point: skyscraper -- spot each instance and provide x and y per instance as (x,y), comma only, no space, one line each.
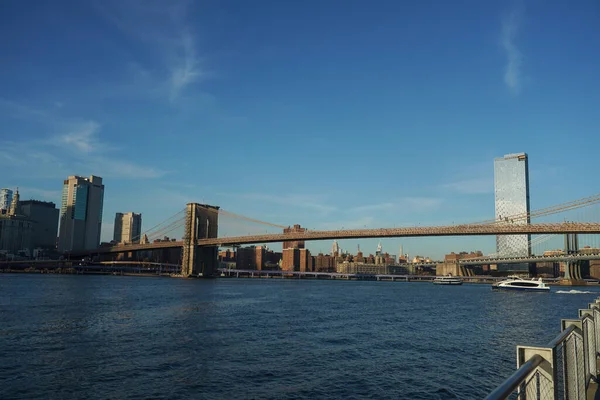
(335,248)
(128,227)
(6,196)
(511,188)
(81,213)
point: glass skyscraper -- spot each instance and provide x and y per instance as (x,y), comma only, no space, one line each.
(81,213)
(511,188)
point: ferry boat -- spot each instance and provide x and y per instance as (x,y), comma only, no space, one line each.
(518,283)
(447,280)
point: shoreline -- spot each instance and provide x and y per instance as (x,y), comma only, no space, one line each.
(402,279)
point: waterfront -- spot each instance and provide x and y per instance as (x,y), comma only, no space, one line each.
(67,336)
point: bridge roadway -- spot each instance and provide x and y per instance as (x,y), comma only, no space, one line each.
(531,259)
(451,230)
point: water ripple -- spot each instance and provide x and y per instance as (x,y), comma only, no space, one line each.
(98,337)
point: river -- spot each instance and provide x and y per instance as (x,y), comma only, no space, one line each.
(100,337)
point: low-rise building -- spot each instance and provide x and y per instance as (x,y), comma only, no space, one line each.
(253,257)
(370,269)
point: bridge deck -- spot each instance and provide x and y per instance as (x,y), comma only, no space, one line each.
(453,230)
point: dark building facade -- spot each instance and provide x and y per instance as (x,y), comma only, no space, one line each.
(324,263)
(44,222)
(257,258)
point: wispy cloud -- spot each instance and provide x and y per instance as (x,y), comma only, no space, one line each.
(471,186)
(373,207)
(33,192)
(83,137)
(70,147)
(13,109)
(163,28)
(358,223)
(405,204)
(514,58)
(186,71)
(291,200)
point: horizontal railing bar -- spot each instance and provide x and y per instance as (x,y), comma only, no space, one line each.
(513,382)
(561,337)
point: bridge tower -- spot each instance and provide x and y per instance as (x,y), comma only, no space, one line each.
(571,243)
(201,222)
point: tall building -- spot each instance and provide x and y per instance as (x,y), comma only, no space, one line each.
(128,227)
(81,213)
(44,219)
(335,248)
(511,188)
(15,230)
(6,196)
(295,259)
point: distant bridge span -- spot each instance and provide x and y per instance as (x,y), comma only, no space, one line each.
(452,230)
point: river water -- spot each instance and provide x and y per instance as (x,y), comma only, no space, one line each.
(100,337)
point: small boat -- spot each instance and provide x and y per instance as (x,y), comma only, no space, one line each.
(447,280)
(518,283)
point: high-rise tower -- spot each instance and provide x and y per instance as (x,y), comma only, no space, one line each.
(128,227)
(14,204)
(81,213)
(511,188)
(6,196)
(335,248)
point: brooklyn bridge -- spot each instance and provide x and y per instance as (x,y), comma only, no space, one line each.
(201,240)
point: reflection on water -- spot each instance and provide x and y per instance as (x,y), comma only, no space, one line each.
(118,337)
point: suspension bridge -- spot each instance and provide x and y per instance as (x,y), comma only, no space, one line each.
(205,228)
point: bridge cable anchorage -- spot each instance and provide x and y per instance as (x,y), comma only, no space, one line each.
(556,209)
(230,214)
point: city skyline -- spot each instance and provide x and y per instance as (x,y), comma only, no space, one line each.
(503,170)
(390,117)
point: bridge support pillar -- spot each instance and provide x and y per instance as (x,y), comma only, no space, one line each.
(575,271)
(571,243)
(201,223)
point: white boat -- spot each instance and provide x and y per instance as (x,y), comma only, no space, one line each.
(447,280)
(518,283)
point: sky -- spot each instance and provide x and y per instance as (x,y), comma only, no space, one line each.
(327,114)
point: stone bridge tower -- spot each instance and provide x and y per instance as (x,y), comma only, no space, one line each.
(202,222)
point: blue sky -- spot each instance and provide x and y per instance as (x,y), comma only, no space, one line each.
(325,113)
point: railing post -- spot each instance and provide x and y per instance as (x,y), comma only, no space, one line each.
(596,313)
(539,384)
(573,358)
(589,341)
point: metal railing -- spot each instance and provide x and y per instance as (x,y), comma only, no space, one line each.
(563,369)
